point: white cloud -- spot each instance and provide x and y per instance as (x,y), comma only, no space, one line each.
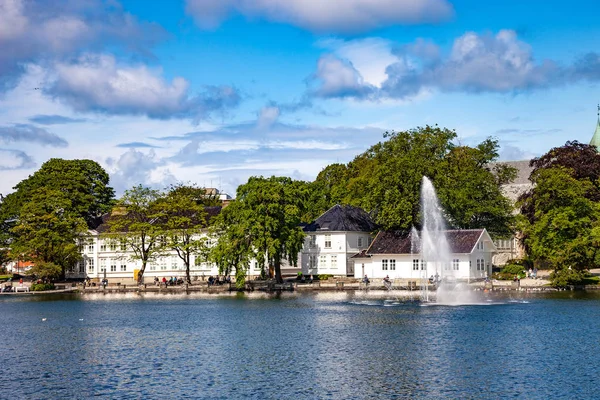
(13,160)
(339,78)
(331,16)
(98,83)
(39,31)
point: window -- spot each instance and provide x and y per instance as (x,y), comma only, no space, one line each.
(198,261)
(209,242)
(446,266)
(123,244)
(392,265)
(90,264)
(103,246)
(113,245)
(455,264)
(333,261)
(480,264)
(322,261)
(415,264)
(123,267)
(163,264)
(384,265)
(103,265)
(422,265)
(312,262)
(173,262)
(113,267)
(81,267)
(90,246)
(360,242)
(328,241)
(479,245)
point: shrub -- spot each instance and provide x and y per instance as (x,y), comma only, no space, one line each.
(509,271)
(324,277)
(39,287)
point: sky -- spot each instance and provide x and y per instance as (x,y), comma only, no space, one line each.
(211,92)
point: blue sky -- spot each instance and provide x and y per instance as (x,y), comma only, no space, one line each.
(215,91)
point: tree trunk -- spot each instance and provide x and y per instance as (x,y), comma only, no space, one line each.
(278,276)
(188,278)
(140,279)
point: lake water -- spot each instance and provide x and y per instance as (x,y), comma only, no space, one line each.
(301,346)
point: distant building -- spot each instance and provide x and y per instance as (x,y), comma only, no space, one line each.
(393,254)
(333,238)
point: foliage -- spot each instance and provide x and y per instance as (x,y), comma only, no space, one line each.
(182,224)
(135,222)
(561,221)
(386,181)
(263,223)
(38,287)
(324,277)
(509,271)
(46,271)
(48,230)
(83,182)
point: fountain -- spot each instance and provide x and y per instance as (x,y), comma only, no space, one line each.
(435,254)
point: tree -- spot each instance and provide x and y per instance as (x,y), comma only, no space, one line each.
(135,222)
(386,181)
(233,250)
(84,182)
(562,225)
(264,221)
(48,231)
(183,223)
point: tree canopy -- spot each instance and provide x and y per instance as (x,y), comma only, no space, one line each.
(386,181)
(560,215)
(263,223)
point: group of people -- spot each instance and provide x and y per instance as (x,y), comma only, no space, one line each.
(8,286)
(216,281)
(172,281)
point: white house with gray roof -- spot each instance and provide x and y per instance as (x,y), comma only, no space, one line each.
(333,238)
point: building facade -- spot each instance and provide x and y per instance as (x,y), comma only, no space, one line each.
(395,254)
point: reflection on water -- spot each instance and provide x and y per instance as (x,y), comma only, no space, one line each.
(302,346)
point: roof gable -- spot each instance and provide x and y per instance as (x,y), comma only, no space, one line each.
(460,241)
(342,218)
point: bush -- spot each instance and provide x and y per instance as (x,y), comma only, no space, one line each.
(324,277)
(39,287)
(509,271)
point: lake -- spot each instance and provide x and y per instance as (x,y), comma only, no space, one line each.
(337,345)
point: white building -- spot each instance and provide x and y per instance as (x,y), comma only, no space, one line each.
(393,254)
(332,240)
(108,257)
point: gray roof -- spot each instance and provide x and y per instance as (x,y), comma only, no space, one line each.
(461,241)
(342,218)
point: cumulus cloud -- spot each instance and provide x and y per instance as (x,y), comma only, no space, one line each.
(97,83)
(136,167)
(476,63)
(339,78)
(15,159)
(332,16)
(55,119)
(30,134)
(38,30)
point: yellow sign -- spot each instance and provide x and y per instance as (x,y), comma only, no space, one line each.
(136,272)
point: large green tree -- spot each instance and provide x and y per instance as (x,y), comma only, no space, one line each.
(264,221)
(386,181)
(136,223)
(233,250)
(83,182)
(183,223)
(48,230)
(560,215)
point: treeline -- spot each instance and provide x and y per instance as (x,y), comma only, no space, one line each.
(50,211)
